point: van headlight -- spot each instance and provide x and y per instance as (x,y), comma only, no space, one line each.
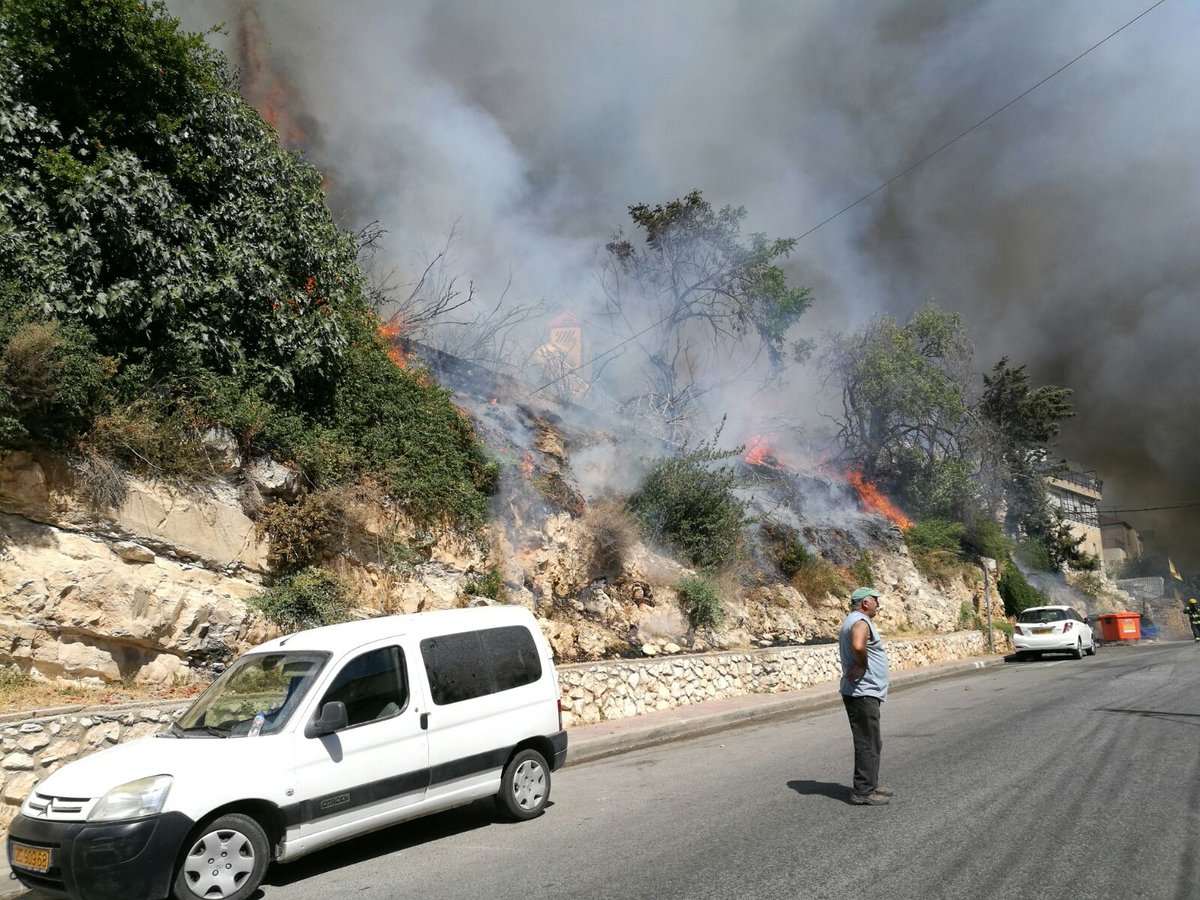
(133,800)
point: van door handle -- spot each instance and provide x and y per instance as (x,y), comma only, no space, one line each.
(424,721)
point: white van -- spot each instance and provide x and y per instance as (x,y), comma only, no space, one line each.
(306,740)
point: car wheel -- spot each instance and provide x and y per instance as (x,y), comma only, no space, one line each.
(226,860)
(1091,651)
(524,786)
(1079,649)
(1022,656)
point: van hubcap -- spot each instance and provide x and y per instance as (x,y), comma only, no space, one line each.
(219,863)
(529,784)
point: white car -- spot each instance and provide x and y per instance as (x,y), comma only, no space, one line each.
(1052,629)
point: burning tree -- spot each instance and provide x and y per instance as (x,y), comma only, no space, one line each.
(905,410)
(693,289)
(913,423)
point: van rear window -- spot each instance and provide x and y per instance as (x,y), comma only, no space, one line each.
(476,663)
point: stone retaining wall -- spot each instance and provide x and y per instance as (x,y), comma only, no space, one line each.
(33,746)
(598,692)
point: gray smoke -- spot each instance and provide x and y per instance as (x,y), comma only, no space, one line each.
(1059,229)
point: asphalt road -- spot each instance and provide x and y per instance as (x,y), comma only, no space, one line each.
(1058,778)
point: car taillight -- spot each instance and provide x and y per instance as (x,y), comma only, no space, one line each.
(1017,629)
(562,708)
(1067,626)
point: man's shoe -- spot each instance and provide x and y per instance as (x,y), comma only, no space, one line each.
(885,791)
(874,799)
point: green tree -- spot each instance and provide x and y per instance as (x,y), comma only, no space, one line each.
(905,409)
(692,290)
(1017,424)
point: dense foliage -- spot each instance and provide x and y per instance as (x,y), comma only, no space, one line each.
(915,424)
(1017,592)
(687,503)
(308,598)
(162,260)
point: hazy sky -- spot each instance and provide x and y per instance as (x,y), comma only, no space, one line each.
(1065,229)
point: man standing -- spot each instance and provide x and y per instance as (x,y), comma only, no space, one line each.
(1193,611)
(864,687)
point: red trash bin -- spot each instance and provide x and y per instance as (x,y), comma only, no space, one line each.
(1122,626)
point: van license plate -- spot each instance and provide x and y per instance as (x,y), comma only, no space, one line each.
(36,859)
(1042,630)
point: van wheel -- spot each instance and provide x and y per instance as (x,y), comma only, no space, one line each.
(524,786)
(226,861)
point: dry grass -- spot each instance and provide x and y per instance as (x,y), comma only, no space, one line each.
(21,694)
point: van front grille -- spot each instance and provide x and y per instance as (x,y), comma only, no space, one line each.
(61,809)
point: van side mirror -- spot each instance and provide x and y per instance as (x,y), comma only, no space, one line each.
(333,718)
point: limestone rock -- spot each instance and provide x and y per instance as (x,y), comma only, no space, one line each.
(131,552)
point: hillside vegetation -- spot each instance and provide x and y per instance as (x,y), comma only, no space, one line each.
(167,269)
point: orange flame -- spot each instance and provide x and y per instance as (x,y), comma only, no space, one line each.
(391,331)
(873,500)
(759,453)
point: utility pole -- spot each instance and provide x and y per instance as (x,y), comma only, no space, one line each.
(986,564)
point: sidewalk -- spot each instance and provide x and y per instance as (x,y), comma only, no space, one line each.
(591,742)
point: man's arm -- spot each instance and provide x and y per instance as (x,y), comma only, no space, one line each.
(859,633)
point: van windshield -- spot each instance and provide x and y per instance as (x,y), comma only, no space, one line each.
(273,684)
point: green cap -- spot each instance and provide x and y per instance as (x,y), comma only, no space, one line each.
(862,594)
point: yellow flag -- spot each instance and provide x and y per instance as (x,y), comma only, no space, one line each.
(1174,573)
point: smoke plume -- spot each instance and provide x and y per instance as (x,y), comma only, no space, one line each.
(1059,229)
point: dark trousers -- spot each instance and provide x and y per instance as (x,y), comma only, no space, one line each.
(863,713)
(1196,629)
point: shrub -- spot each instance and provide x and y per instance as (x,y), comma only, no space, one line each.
(966,616)
(300,534)
(11,677)
(701,601)
(688,505)
(490,585)
(793,557)
(51,380)
(612,530)
(306,599)
(1089,582)
(985,537)
(861,570)
(151,436)
(1017,592)
(819,577)
(935,547)
(1035,554)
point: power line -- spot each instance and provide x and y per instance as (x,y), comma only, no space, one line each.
(924,159)
(1151,508)
(987,118)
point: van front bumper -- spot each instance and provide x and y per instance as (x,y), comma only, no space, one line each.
(130,860)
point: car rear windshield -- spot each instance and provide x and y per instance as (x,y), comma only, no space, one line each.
(1042,615)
